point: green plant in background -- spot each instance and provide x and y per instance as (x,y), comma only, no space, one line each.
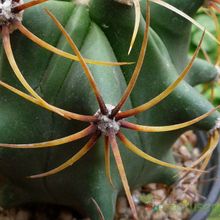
(210,49)
(215,212)
(209,46)
(108,102)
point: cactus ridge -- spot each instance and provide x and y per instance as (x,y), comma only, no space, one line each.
(10,20)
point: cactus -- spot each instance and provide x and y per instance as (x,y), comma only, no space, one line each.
(74,111)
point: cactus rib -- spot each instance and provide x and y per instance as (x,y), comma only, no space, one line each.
(165,93)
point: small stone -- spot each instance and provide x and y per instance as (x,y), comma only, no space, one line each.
(142,213)
(185,154)
(23,215)
(180,195)
(177,144)
(175,215)
(156,202)
(121,205)
(159,216)
(192,138)
(191,187)
(159,194)
(191,175)
(196,152)
(188,163)
(136,195)
(184,139)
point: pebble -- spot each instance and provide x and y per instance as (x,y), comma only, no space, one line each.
(185,154)
(23,215)
(159,216)
(159,194)
(175,215)
(188,163)
(121,205)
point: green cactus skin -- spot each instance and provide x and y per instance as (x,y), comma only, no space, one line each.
(102,31)
(174,31)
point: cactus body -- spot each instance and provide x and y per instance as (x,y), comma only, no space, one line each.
(102,31)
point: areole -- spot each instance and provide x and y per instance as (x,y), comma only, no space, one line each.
(105,123)
(8,14)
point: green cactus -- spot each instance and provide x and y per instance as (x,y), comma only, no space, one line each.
(93,95)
